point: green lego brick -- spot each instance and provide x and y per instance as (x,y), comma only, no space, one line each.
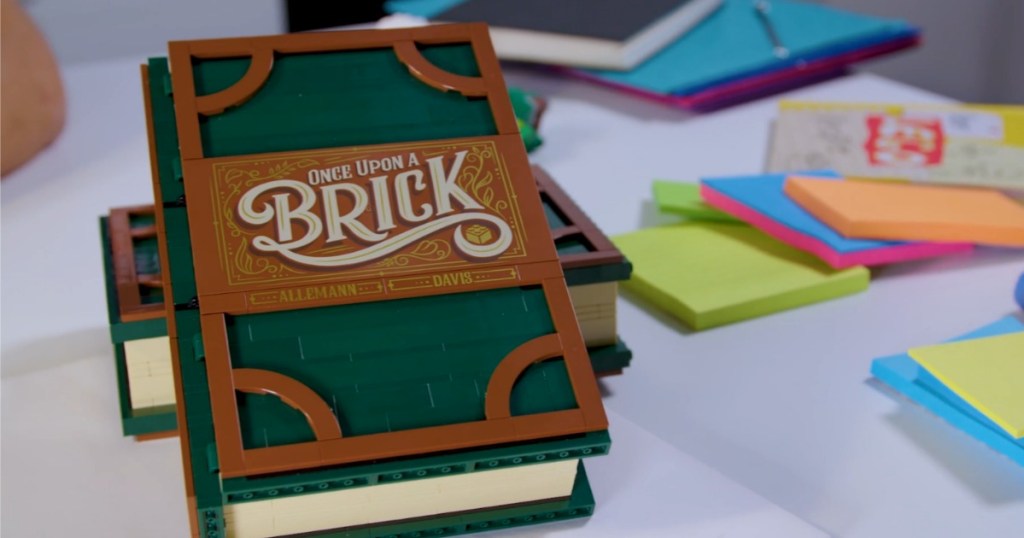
(580,504)
(360,98)
(123,331)
(610,358)
(531,140)
(526,106)
(181,274)
(595,274)
(259,488)
(147,255)
(162,109)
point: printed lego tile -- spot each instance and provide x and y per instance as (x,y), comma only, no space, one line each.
(906,212)
(759,200)
(710,274)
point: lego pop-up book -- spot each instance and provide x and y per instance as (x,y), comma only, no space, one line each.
(371,332)
(592,265)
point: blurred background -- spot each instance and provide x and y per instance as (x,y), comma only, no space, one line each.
(973,49)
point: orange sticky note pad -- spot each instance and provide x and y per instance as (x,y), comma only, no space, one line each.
(907,212)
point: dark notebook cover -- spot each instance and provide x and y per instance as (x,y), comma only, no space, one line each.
(613,20)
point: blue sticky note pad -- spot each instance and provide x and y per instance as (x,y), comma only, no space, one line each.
(420,8)
(1020,291)
(733,43)
(764,194)
(905,375)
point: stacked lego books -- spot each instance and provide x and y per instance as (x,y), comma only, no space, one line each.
(369,325)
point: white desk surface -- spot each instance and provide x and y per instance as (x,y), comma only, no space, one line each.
(764,428)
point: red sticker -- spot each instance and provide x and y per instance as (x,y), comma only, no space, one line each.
(903,141)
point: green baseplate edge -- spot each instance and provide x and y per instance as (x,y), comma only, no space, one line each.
(239,490)
(209,497)
(580,504)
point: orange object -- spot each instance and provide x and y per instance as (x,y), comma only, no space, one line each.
(907,212)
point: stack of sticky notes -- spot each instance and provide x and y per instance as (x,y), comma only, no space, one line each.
(758,244)
(975,382)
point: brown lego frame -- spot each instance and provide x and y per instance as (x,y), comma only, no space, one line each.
(127,278)
(189,107)
(172,329)
(579,226)
(540,266)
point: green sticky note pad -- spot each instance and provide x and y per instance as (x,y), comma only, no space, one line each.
(987,373)
(709,274)
(684,199)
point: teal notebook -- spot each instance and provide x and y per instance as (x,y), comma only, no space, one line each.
(733,43)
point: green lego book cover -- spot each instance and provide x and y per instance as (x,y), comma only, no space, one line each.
(346,293)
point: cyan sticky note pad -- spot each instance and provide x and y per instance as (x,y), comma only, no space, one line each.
(905,375)
(760,201)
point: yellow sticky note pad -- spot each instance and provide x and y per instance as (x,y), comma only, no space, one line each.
(709,274)
(987,373)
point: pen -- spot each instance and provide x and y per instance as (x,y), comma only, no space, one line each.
(763,8)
